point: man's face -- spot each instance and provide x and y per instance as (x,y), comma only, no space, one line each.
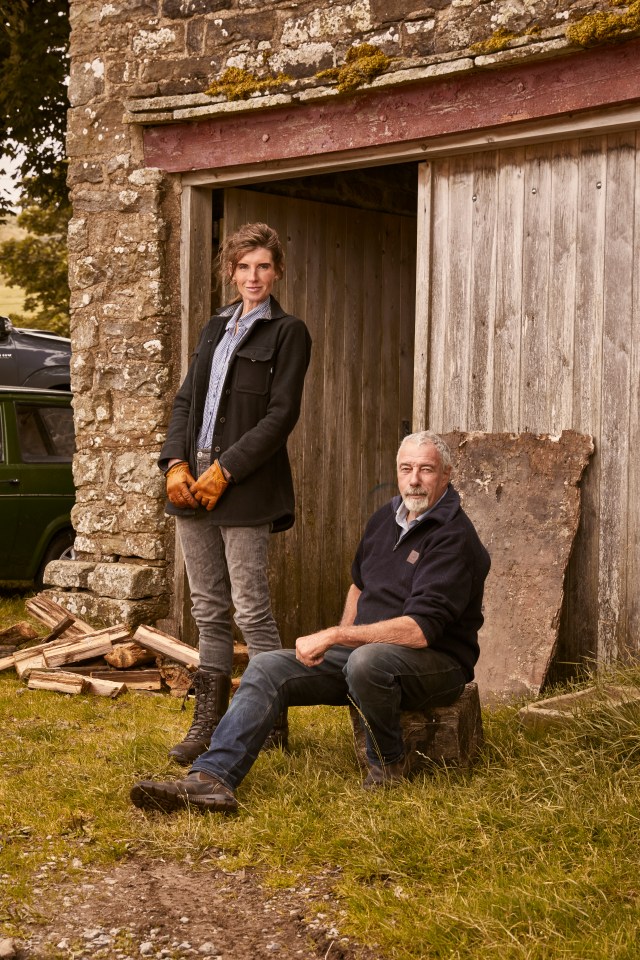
(421,477)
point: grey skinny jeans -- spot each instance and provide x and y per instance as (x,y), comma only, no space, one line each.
(225,565)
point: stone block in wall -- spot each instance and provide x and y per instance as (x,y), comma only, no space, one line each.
(181,9)
(144,546)
(69,574)
(127,581)
(106,611)
(232,27)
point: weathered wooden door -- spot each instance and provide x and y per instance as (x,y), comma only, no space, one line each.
(350,275)
(528,319)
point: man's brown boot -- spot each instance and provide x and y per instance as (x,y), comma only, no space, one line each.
(212,699)
(198,789)
(387,775)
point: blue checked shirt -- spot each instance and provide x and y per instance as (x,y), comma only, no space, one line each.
(220,363)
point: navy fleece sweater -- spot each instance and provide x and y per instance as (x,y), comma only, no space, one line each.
(434,574)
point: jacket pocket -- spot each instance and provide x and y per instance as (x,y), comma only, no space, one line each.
(253,369)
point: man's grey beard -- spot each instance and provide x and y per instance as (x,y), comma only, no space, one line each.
(416,502)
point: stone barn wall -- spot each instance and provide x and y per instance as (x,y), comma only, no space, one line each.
(124,236)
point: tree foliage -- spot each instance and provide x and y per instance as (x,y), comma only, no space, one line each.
(38,264)
(34,67)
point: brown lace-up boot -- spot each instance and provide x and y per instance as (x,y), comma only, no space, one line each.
(212,699)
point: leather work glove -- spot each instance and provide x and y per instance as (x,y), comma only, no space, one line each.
(210,486)
(179,480)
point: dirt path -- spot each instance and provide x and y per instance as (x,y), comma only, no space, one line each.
(155,909)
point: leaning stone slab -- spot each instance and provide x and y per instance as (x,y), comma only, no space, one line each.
(562,710)
(69,574)
(522,493)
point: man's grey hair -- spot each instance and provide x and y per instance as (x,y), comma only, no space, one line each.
(426,438)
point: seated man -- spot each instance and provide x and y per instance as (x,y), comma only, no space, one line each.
(407,640)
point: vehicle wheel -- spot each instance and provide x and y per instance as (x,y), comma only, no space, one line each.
(60,548)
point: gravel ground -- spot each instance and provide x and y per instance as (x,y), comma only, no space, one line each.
(156,909)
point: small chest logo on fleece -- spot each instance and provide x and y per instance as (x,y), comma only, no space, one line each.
(413,556)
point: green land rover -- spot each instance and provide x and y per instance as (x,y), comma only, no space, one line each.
(36,483)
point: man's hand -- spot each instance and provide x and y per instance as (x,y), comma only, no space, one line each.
(210,486)
(179,480)
(310,650)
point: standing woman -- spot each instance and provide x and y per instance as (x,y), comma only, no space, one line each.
(227,470)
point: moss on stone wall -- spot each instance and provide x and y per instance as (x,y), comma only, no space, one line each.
(362,65)
(238,84)
(603,27)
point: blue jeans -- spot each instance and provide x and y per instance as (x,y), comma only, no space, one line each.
(381,679)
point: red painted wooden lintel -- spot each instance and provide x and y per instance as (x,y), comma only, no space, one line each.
(483,98)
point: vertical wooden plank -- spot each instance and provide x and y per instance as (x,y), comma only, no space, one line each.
(310,516)
(582,601)
(355,329)
(633,509)
(454,384)
(195,301)
(440,306)
(389,424)
(421,357)
(617,331)
(370,376)
(408,321)
(562,284)
(333,419)
(508,325)
(535,313)
(483,290)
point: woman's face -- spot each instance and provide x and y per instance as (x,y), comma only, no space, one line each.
(254,275)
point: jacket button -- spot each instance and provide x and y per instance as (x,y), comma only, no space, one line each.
(227,392)
(222,419)
(217,449)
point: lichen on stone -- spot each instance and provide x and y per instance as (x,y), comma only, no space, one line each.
(602,27)
(238,84)
(497,41)
(363,63)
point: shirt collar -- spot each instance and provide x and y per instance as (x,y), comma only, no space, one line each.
(260,312)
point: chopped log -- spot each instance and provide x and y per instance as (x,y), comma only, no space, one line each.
(240,655)
(106,688)
(129,654)
(160,642)
(19,633)
(148,679)
(51,613)
(6,663)
(58,630)
(58,681)
(83,648)
(177,677)
(29,659)
(443,735)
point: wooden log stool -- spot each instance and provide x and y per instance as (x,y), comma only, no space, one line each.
(444,735)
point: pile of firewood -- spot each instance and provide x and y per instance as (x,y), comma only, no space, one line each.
(75,658)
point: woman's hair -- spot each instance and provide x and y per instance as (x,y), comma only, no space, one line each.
(250,236)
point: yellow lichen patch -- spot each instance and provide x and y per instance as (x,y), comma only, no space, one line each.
(497,41)
(238,84)
(604,27)
(362,65)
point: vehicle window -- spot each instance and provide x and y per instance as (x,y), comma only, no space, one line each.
(46,433)
(59,424)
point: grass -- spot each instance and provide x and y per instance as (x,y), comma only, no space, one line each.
(534,856)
